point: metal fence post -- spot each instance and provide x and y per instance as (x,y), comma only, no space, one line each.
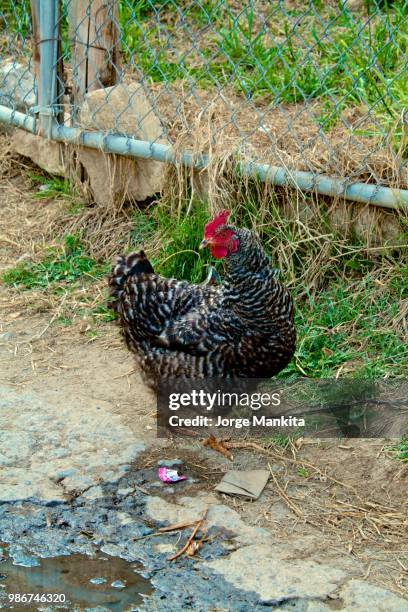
(49,11)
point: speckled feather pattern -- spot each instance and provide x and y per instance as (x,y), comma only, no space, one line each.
(241,328)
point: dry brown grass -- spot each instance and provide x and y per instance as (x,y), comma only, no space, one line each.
(221,123)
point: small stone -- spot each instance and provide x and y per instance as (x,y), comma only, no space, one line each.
(18,87)
(118,584)
(94,493)
(165,548)
(124,518)
(98,580)
(112,550)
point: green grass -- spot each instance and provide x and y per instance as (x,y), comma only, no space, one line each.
(65,265)
(179,256)
(49,187)
(348,325)
(401,449)
(16,18)
(102,314)
(303,472)
(64,321)
(299,55)
(281,440)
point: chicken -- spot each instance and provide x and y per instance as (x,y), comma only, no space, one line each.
(240,328)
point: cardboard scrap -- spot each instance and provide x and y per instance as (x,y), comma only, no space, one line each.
(249,483)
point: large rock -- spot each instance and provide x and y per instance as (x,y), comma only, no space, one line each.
(47,154)
(18,89)
(376,226)
(113,179)
(123,109)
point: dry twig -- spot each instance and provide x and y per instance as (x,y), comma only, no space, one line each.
(285,497)
(189,542)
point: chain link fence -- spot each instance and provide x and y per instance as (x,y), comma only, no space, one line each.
(310,86)
(18,89)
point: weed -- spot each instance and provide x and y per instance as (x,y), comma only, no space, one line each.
(17,18)
(64,321)
(50,187)
(75,208)
(401,449)
(92,334)
(179,256)
(282,440)
(303,472)
(103,314)
(66,265)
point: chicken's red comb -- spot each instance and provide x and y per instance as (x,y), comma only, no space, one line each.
(219,219)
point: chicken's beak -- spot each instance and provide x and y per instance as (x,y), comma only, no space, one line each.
(204,244)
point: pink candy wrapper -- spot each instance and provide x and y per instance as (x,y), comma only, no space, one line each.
(167,475)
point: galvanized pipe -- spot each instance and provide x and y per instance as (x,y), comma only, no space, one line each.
(366,193)
(48,31)
(305,181)
(20,120)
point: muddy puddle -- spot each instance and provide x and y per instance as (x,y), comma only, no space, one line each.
(71,581)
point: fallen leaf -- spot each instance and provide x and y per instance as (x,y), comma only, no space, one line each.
(218,446)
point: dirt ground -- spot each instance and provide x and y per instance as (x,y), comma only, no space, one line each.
(327,498)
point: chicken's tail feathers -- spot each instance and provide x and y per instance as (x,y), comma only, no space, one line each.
(125,266)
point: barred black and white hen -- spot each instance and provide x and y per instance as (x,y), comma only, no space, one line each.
(242,327)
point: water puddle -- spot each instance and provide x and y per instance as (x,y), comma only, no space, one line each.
(75,580)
